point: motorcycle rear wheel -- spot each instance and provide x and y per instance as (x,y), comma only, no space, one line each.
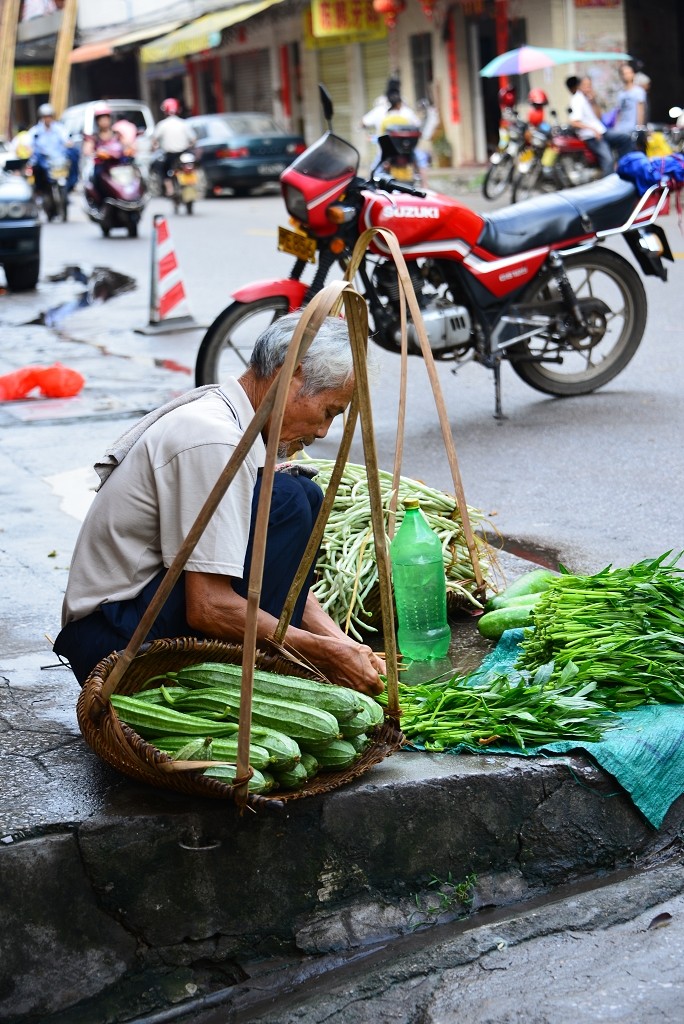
(609,281)
(232,335)
(59,201)
(498,177)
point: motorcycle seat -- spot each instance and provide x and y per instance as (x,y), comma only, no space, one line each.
(557,216)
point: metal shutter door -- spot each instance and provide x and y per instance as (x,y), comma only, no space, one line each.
(375,63)
(252,84)
(332,71)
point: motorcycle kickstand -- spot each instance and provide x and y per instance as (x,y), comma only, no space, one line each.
(498,409)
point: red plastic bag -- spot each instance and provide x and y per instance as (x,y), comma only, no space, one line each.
(55,381)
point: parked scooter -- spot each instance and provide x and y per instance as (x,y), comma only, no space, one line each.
(502,161)
(114,192)
(530,283)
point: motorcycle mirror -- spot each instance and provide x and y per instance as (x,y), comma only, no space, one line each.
(675,111)
(327,104)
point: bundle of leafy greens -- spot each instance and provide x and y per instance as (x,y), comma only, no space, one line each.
(500,708)
(621,630)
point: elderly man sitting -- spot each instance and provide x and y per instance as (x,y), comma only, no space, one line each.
(150,499)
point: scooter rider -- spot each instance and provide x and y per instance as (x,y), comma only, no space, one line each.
(173,136)
(49,145)
(103,145)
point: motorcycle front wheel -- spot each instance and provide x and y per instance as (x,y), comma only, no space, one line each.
(527,183)
(498,177)
(613,300)
(228,343)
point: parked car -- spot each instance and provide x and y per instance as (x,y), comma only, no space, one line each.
(79,121)
(19,232)
(241,151)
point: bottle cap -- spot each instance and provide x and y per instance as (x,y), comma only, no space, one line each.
(411,503)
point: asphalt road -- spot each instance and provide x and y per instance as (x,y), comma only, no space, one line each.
(588,481)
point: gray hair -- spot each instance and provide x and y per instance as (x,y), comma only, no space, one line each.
(328,363)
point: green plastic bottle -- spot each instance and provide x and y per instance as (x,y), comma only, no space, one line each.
(419,587)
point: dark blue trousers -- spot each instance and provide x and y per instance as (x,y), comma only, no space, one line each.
(294,506)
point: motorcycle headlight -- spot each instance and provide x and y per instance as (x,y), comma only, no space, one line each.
(295,203)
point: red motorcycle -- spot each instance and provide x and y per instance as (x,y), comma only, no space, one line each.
(530,283)
(564,160)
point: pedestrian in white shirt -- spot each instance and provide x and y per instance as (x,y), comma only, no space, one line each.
(589,128)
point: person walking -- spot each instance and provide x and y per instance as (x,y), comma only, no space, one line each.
(590,128)
(630,102)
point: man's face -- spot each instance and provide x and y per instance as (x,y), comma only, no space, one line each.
(308,417)
(585,86)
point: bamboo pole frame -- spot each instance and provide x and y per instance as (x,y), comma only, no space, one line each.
(408,295)
(8,37)
(61,71)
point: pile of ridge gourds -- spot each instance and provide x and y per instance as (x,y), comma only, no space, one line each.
(300,727)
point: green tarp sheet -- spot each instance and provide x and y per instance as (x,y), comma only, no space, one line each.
(643,751)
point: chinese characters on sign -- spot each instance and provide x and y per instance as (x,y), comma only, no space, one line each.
(346,18)
(32,80)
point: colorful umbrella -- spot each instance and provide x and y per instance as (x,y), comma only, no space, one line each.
(532,58)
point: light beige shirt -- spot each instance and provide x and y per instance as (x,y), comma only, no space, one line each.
(145,508)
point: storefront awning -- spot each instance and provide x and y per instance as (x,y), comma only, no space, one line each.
(202,34)
(90,51)
(96,51)
(143,34)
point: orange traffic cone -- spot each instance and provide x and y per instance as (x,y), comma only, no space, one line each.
(169,310)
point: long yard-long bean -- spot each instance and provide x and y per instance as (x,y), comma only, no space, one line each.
(346,568)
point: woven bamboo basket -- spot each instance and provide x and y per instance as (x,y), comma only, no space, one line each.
(121,747)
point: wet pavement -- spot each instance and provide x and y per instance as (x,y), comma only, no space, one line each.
(122,902)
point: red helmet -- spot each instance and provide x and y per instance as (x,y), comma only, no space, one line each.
(537,97)
(101,110)
(170,106)
(506,97)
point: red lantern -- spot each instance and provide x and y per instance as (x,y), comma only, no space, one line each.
(390,10)
(428,8)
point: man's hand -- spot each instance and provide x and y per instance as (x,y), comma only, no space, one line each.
(348,663)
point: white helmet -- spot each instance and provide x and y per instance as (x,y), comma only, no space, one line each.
(46,110)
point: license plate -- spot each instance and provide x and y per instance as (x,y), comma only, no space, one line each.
(270,168)
(297,244)
(187,177)
(526,156)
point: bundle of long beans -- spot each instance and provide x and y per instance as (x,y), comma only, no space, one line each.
(346,570)
(621,629)
(501,709)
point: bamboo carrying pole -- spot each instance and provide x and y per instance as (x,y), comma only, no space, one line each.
(8,46)
(407,292)
(61,71)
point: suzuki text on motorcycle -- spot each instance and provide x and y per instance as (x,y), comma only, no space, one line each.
(530,284)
